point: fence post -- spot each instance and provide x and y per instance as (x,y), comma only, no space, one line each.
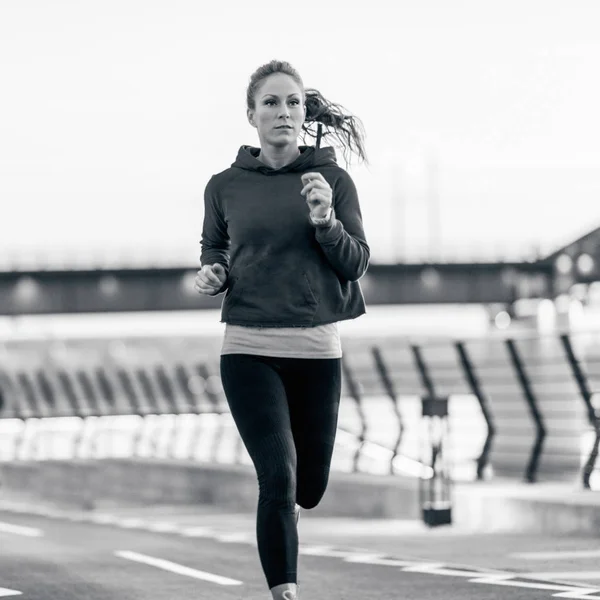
(391,392)
(357,397)
(435,481)
(423,371)
(9,393)
(586,395)
(532,467)
(477,391)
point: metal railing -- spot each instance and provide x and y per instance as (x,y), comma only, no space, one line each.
(537,396)
(526,406)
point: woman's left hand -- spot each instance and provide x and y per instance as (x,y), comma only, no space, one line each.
(318,194)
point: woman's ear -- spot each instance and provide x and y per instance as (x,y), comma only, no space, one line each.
(250,114)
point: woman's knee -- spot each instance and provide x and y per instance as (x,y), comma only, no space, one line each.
(311,489)
(277,481)
(308,501)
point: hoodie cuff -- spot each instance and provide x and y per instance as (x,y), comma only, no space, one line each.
(327,223)
(330,232)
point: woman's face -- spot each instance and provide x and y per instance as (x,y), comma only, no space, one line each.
(279,111)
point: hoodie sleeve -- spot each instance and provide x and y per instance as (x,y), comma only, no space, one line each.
(343,239)
(215,241)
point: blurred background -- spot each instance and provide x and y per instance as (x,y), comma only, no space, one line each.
(481,121)
(481,205)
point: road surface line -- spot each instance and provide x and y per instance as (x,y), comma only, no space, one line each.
(20,530)
(234,538)
(133,523)
(424,567)
(564,575)
(197,532)
(162,526)
(566,591)
(167,565)
(557,554)
(323,550)
(376,558)
(380,560)
(581,594)
(6,592)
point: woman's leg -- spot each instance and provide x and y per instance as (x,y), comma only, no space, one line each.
(259,406)
(313,389)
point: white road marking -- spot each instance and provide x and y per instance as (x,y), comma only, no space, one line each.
(234,538)
(163,526)
(448,571)
(132,523)
(576,593)
(197,532)
(580,594)
(378,559)
(328,551)
(503,579)
(20,530)
(167,565)
(573,592)
(424,568)
(6,592)
(559,554)
(565,575)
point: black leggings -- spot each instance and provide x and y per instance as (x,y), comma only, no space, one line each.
(286,411)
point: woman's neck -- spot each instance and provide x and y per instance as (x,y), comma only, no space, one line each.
(278,157)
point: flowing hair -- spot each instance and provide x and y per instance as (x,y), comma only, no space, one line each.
(323,117)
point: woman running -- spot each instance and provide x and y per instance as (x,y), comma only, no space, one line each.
(283,237)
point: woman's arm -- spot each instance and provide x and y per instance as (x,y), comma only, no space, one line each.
(215,240)
(343,238)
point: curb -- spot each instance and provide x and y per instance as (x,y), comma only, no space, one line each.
(479,507)
(523,507)
(93,484)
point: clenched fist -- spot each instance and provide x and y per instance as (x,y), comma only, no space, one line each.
(318,194)
(210,279)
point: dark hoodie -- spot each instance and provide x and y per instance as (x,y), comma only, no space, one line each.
(283,271)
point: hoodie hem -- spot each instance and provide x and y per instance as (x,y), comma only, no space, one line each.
(337,319)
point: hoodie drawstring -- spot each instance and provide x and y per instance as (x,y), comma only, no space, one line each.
(319,135)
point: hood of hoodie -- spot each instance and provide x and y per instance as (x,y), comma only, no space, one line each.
(309,158)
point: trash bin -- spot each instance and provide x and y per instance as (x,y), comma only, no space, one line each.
(435,483)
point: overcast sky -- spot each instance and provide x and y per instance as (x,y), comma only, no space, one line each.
(114,114)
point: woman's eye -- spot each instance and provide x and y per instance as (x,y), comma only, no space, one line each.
(273,102)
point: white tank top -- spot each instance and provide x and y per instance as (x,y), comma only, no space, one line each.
(322,341)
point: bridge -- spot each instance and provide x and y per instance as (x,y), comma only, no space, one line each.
(161,289)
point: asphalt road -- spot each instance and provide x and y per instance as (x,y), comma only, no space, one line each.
(192,553)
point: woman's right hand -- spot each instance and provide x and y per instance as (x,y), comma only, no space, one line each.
(210,279)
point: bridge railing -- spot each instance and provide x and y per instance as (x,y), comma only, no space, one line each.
(535,399)
(522,406)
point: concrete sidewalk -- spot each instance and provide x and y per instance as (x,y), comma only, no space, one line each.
(482,506)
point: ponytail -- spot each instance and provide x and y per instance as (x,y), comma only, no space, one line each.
(346,129)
